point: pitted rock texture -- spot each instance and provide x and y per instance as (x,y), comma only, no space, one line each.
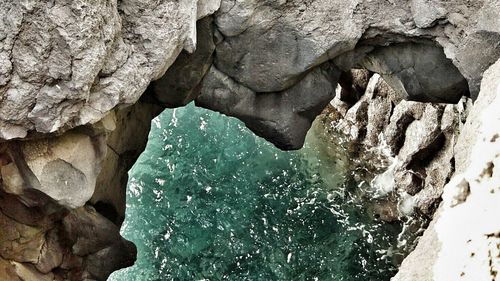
(462,242)
(62,199)
(65,64)
(68,69)
(68,63)
(417,138)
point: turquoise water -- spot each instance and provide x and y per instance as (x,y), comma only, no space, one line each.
(208,200)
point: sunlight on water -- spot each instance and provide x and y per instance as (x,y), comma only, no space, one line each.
(208,200)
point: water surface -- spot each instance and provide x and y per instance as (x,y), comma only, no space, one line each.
(208,200)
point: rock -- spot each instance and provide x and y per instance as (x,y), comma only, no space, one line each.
(379,114)
(68,69)
(7,271)
(12,179)
(29,272)
(353,83)
(206,7)
(51,253)
(404,113)
(462,242)
(426,13)
(283,40)
(180,84)
(409,182)
(20,242)
(67,74)
(98,239)
(384,210)
(422,137)
(124,143)
(418,72)
(66,167)
(282,118)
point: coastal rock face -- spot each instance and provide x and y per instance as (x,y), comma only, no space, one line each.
(412,141)
(282,118)
(63,199)
(68,63)
(58,72)
(462,242)
(72,119)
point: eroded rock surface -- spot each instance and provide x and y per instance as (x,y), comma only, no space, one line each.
(68,69)
(463,241)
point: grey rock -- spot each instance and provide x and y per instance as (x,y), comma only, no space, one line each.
(126,138)
(455,244)
(427,12)
(418,72)
(69,63)
(207,7)
(180,84)
(65,168)
(282,118)
(408,181)
(404,113)
(353,83)
(269,45)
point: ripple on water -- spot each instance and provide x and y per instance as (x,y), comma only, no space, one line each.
(208,200)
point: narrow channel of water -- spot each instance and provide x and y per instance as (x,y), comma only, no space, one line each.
(208,200)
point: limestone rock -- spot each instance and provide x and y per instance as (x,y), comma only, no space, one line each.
(282,118)
(462,242)
(404,113)
(426,13)
(20,242)
(269,45)
(207,7)
(69,63)
(418,72)
(180,84)
(51,253)
(65,167)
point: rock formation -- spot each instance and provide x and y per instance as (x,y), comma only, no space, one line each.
(418,138)
(76,106)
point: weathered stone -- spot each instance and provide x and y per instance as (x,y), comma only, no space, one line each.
(426,13)
(20,242)
(283,40)
(379,114)
(282,118)
(51,253)
(418,72)
(462,241)
(421,137)
(66,167)
(124,145)
(12,179)
(180,84)
(404,114)
(353,83)
(28,272)
(409,182)
(95,237)
(207,7)
(58,72)
(65,64)
(7,271)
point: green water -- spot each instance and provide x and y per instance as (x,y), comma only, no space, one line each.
(208,200)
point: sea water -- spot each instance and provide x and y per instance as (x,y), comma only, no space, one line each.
(209,200)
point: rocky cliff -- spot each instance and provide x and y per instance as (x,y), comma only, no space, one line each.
(80,82)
